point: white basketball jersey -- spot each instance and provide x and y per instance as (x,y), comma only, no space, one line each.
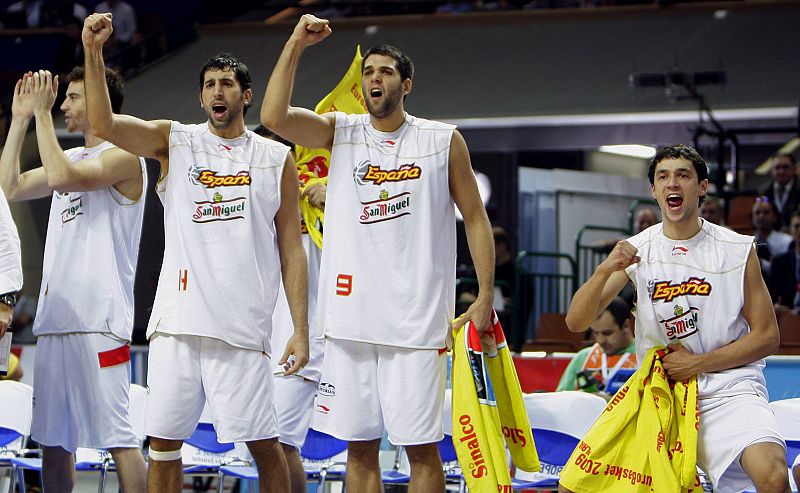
(692,292)
(282,326)
(221,268)
(389,255)
(90,258)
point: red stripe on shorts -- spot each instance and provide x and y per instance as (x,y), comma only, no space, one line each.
(114,357)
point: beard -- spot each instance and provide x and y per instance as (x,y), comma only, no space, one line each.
(385,107)
(233,112)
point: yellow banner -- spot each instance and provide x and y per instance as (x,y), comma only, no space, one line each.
(312,164)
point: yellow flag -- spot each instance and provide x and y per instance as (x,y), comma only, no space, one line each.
(312,164)
(644,441)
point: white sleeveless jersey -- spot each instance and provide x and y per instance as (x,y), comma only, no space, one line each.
(692,292)
(282,326)
(389,255)
(221,268)
(90,258)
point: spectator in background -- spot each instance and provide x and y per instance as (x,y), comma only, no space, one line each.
(711,210)
(614,348)
(783,190)
(645,217)
(52,13)
(783,283)
(504,264)
(768,241)
(455,7)
(119,50)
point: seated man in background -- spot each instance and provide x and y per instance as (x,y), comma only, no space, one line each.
(769,243)
(593,367)
(712,210)
(783,283)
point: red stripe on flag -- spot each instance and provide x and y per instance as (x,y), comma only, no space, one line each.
(114,357)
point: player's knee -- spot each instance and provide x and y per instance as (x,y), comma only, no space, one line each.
(363,451)
(162,450)
(774,478)
(424,454)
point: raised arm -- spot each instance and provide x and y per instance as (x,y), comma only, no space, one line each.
(464,190)
(139,137)
(16,185)
(298,125)
(762,340)
(597,292)
(294,267)
(113,167)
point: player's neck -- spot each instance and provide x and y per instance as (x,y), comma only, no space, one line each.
(232,131)
(91,140)
(389,123)
(682,230)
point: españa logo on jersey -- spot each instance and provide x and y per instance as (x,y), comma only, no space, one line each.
(211,179)
(365,173)
(72,210)
(385,208)
(665,290)
(219,209)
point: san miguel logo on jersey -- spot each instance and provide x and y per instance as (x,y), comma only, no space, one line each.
(385,208)
(667,291)
(365,173)
(683,324)
(212,179)
(219,209)
(72,210)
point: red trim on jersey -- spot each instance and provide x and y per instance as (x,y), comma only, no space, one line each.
(114,357)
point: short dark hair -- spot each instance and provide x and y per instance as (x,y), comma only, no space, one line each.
(620,310)
(404,64)
(222,61)
(500,236)
(789,155)
(679,151)
(116,88)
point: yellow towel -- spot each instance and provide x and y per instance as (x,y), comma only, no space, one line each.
(313,217)
(488,407)
(644,441)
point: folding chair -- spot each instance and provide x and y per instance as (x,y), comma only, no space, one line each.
(558,421)
(323,458)
(202,453)
(15,424)
(91,459)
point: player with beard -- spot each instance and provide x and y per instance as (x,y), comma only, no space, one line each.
(699,291)
(387,280)
(232,228)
